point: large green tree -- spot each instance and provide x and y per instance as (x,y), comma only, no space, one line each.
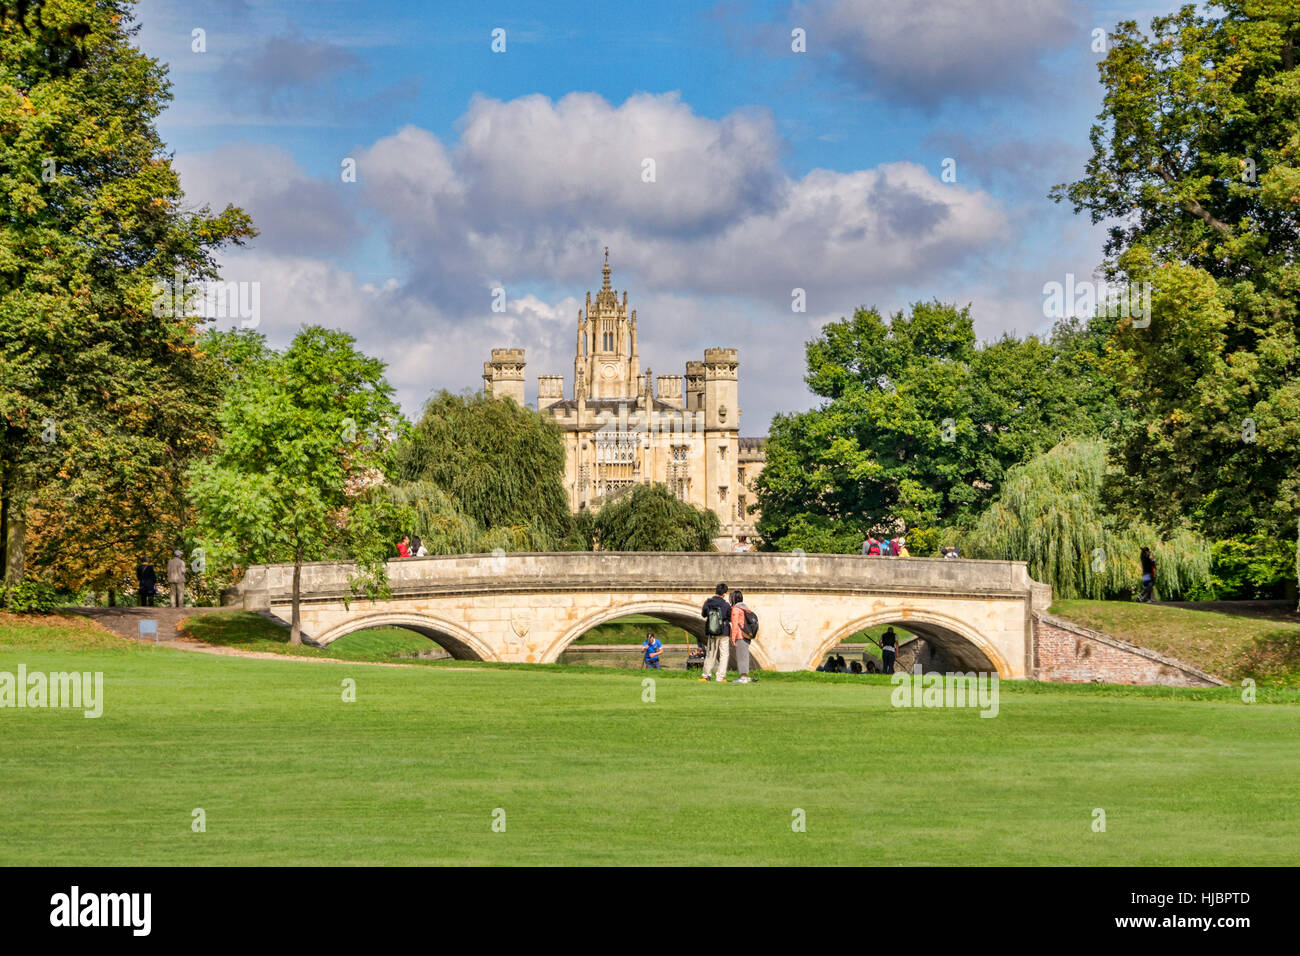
(306,448)
(102,401)
(918,426)
(1196,166)
(1050,514)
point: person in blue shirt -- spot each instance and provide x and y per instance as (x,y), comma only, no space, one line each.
(652,648)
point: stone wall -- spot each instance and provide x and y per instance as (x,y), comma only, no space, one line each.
(1065,651)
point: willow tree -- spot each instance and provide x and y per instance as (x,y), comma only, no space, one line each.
(652,518)
(1050,514)
(489,462)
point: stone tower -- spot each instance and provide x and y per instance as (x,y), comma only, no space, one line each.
(626,426)
(607,361)
(503,376)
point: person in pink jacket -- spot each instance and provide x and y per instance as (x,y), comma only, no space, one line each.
(739,639)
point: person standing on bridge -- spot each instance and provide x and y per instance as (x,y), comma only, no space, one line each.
(717,644)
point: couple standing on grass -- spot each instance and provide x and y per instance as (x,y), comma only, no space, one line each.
(727,625)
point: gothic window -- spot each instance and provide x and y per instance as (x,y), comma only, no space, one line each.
(722,494)
(680,452)
(722,452)
(740,508)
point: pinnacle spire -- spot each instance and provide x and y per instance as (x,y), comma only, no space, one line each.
(605,271)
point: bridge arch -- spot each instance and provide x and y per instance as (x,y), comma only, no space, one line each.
(962,644)
(456,640)
(685,615)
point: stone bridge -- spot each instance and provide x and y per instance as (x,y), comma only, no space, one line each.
(979,615)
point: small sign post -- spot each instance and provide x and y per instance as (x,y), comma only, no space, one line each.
(149,627)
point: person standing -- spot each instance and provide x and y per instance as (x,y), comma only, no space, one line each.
(147,578)
(740,635)
(1148,576)
(717,648)
(888,651)
(176,578)
(651,650)
(901,549)
(741,546)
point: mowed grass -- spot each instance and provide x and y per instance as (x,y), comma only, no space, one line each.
(247,631)
(1231,646)
(588,771)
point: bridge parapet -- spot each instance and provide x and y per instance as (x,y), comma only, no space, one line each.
(652,570)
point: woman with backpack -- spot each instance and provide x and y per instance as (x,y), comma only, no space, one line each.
(744,625)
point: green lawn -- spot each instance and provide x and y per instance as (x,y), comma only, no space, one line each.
(252,632)
(1230,645)
(586,772)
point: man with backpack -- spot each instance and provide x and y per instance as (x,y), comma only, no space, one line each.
(716,613)
(744,628)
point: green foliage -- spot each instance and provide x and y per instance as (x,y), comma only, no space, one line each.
(919,424)
(29,597)
(103,403)
(484,473)
(652,518)
(1258,566)
(306,445)
(1196,157)
(817,534)
(1050,515)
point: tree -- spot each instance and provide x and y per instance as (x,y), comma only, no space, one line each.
(102,401)
(1050,514)
(307,444)
(652,518)
(1196,157)
(496,463)
(918,426)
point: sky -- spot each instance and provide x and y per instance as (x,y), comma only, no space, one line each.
(904,154)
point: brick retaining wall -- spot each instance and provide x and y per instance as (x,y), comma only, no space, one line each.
(1065,651)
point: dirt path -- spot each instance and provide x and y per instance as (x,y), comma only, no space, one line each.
(1268,610)
(125,622)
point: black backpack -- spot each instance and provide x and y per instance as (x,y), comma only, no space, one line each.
(750,628)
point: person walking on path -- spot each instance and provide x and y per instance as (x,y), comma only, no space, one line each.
(740,635)
(176,578)
(1148,576)
(148,580)
(717,648)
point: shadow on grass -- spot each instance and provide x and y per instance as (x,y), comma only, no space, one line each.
(1273,658)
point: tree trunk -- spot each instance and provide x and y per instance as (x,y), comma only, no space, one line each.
(1297,559)
(13,526)
(295,627)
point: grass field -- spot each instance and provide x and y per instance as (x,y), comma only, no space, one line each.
(1232,646)
(586,771)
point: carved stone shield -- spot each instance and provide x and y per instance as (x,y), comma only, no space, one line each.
(789,620)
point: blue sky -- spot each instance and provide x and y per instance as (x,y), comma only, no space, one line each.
(774,169)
